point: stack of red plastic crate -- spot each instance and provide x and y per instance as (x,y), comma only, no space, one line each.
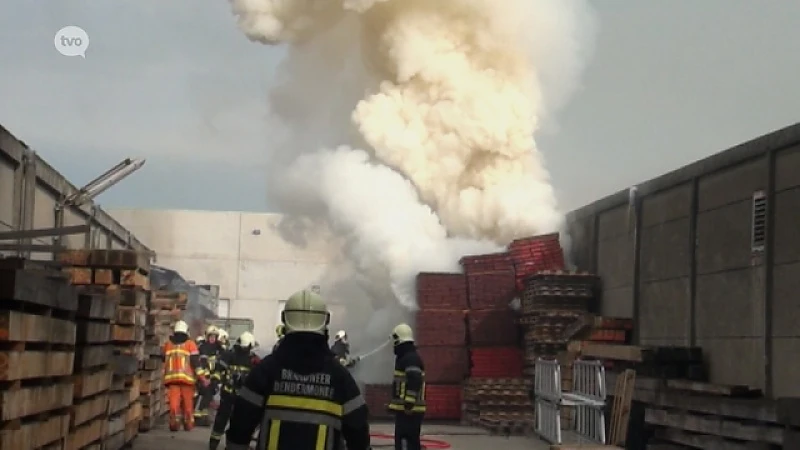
(441,340)
(534,254)
(492,332)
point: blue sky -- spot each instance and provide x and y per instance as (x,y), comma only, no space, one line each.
(175,82)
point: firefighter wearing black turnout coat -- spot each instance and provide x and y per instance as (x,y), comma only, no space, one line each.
(230,371)
(408,390)
(302,398)
(209,350)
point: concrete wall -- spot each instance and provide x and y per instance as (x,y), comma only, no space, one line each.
(243,253)
(679,259)
(29,190)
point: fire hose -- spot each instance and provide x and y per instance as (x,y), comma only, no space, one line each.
(426,442)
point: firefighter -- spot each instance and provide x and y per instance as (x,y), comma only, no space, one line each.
(280,332)
(230,371)
(181,361)
(206,388)
(300,395)
(341,349)
(408,390)
(223,339)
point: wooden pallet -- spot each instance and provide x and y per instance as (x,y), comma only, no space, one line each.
(107,277)
(621,408)
(37,339)
(123,259)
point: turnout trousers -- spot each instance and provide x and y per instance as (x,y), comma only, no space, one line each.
(407,431)
(180,398)
(221,420)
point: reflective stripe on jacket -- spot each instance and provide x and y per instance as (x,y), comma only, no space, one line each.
(177,362)
(402,395)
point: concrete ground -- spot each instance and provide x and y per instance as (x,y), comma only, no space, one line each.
(461,438)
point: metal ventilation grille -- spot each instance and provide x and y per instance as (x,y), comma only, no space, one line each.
(759,226)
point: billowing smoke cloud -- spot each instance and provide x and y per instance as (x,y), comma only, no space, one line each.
(407,128)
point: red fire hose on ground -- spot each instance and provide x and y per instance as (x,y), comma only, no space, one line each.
(426,443)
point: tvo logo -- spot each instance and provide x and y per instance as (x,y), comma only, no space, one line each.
(72,41)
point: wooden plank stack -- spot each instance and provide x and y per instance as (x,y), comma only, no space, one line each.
(37,349)
(120,276)
(92,369)
(684,414)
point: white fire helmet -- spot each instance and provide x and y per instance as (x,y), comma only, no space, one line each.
(181,327)
(340,335)
(402,333)
(306,311)
(246,339)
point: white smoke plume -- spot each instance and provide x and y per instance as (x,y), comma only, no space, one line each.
(444,98)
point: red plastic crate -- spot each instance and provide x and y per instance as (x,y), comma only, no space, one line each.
(377,397)
(496,362)
(436,327)
(492,327)
(442,291)
(443,402)
(490,289)
(445,364)
(487,263)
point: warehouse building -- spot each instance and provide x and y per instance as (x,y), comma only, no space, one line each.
(243,253)
(709,255)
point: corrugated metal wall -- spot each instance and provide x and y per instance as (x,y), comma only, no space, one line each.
(680,260)
(29,189)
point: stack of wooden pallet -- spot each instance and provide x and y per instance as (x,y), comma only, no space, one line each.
(501,405)
(92,370)
(121,277)
(37,339)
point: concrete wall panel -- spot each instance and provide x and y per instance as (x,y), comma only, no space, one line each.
(786,301)
(735,361)
(674,203)
(665,251)
(615,223)
(615,262)
(261,239)
(787,168)
(579,243)
(731,304)
(731,185)
(787,226)
(786,367)
(724,238)
(6,194)
(276,280)
(664,311)
(617,302)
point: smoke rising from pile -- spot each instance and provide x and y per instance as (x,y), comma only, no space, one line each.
(408,130)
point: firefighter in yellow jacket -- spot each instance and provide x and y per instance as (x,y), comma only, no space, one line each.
(302,398)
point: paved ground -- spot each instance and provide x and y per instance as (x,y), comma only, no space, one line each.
(461,438)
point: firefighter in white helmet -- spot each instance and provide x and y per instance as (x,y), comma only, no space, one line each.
(341,349)
(302,398)
(231,370)
(181,363)
(206,387)
(223,339)
(408,390)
